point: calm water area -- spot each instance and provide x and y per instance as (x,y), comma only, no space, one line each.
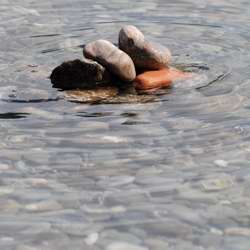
(171,174)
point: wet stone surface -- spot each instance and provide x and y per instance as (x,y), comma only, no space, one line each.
(145,54)
(110,56)
(79,74)
(166,174)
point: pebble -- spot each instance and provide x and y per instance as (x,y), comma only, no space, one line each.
(221,163)
(124,246)
(9,206)
(102,210)
(168,228)
(114,139)
(38,182)
(145,54)
(91,239)
(238,231)
(157,243)
(5,190)
(217,184)
(79,74)
(43,206)
(76,229)
(158,78)
(111,57)
(216,231)
(4,167)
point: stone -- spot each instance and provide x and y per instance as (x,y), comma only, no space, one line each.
(5,190)
(119,245)
(92,238)
(145,54)
(10,206)
(221,163)
(240,231)
(168,228)
(79,74)
(157,243)
(111,57)
(156,79)
(4,167)
(213,185)
(93,95)
(43,206)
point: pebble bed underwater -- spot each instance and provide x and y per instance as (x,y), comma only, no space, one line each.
(172,173)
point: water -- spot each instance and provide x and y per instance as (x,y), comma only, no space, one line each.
(171,174)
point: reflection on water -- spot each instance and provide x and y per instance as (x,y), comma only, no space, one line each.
(11,115)
(170,173)
(97,114)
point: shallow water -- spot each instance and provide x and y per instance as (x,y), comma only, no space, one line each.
(171,174)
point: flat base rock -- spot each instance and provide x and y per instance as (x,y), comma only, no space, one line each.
(156,79)
(79,74)
(95,94)
(106,95)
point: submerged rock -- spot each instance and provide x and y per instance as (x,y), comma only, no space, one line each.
(79,74)
(111,57)
(108,94)
(159,78)
(91,95)
(145,54)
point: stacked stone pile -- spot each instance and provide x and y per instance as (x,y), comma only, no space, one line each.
(135,61)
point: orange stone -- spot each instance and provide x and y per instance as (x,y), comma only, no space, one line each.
(159,78)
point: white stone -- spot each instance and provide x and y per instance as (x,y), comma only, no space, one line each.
(6,190)
(101,210)
(216,231)
(221,163)
(119,245)
(91,239)
(114,139)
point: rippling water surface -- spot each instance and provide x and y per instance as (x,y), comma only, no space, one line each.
(171,174)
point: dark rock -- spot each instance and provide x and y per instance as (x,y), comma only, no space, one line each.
(145,55)
(79,74)
(111,57)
